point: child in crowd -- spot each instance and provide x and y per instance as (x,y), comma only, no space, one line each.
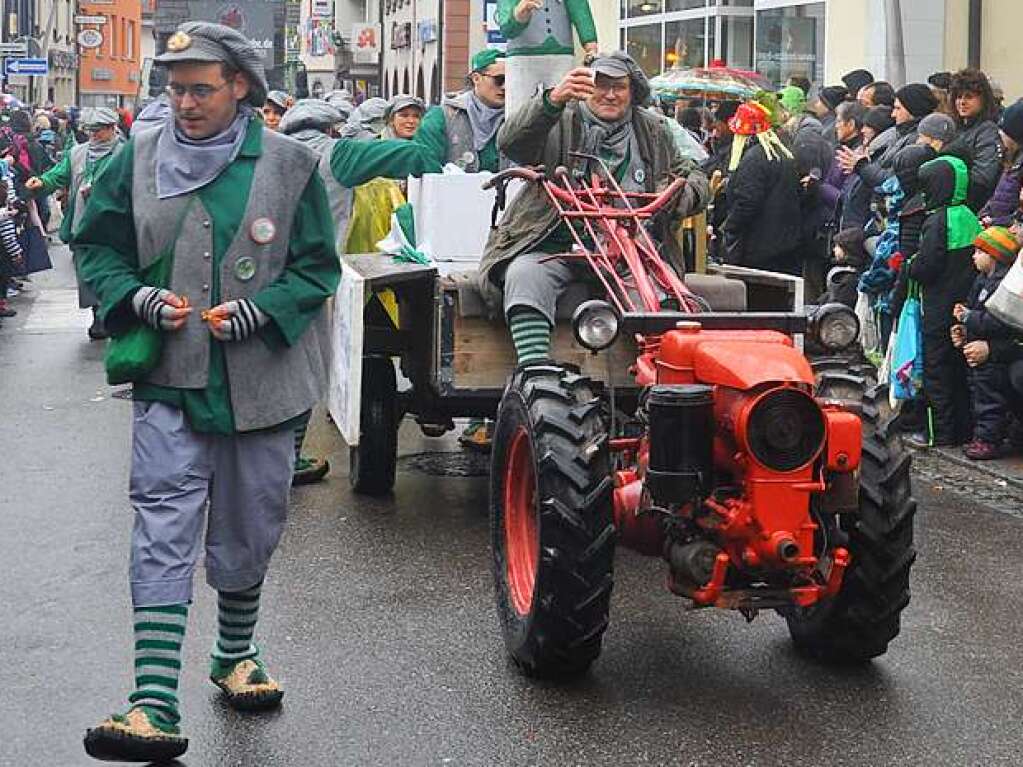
(987,344)
(849,257)
(945,274)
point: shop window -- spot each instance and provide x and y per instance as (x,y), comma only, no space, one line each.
(737,41)
(644,45)
(686,5)
(685,43)
(790,41)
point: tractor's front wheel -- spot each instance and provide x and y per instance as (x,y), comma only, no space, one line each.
(858,623)
(551,521)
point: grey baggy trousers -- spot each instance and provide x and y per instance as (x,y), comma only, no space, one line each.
(176,474)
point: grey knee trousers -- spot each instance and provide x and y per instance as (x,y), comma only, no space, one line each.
(537,281)
(235,488)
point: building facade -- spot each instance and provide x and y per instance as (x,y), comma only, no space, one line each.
(110,73)
(821,39)
(58,45)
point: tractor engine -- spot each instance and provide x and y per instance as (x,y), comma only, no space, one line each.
(736,449)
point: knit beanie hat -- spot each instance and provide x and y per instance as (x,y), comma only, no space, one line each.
(1012,122)
(917,98)
(998,242)
(937,126)
(833,95)
(858,78)
(879,118)
(942,80)
(907,162)
(793,99)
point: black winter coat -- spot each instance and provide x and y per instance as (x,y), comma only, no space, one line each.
(763,220)
(945,276)
(980,144)
(873,173)
(981,325)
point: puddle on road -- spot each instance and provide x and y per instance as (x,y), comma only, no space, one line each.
(449,464)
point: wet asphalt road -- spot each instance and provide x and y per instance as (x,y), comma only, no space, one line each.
(378,619)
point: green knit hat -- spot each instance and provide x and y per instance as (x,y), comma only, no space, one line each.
(998,242)
(793,99)
(485,58)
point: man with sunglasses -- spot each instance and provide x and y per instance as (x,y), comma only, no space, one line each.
(75,172)
(463,130)
(215,233)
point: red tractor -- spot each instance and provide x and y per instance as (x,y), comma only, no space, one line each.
(762,484)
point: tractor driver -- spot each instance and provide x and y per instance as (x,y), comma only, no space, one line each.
(601,108)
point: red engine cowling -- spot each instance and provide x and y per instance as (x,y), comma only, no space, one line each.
(773,447)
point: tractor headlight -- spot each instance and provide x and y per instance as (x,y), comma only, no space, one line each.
(596,325)
(834,326)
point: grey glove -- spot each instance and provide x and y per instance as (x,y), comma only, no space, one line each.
(153,308)
(236,320)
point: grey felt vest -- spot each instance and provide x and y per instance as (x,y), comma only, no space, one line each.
(550,21)
(339,196)
(78,159)
(267,386)
(461,145)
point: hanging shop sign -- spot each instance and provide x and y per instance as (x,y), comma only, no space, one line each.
(90,38)
(427,29)
(366,45)
(401,35)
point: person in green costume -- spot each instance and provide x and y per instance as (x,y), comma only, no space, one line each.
(463,129)
(76,172)
(236,218)
(541,49)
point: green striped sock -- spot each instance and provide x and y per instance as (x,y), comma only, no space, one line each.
(300,429)
(531,334)
(237,613)
(159,634)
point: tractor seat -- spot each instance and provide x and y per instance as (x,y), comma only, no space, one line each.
(723,294)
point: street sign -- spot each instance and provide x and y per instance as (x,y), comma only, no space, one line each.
(14,49)
(90,19)
(90,38)
(34,67)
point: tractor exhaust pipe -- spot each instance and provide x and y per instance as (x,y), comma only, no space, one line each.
(681,465)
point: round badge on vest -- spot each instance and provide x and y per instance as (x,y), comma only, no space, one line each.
(262,231)
(639,175)
(245,268)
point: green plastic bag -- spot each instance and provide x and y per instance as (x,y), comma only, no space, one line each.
(131,355)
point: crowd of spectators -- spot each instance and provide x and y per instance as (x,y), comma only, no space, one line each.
(875,194)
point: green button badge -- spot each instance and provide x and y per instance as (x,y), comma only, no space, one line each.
(245,268)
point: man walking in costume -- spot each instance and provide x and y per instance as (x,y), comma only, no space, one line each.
(76,172)
(241,216)
(541,49)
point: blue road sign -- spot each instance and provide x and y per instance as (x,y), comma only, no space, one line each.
(38,67)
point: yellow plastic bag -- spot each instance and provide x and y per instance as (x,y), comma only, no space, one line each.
(373,204)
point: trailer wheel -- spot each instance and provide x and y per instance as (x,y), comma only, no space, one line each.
(551,521)
(372,463)
(859,622)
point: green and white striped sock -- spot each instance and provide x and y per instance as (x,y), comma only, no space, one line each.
(237,614)
(531,334)
(159,634)
(300,429)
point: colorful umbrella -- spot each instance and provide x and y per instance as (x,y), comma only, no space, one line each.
(709,82)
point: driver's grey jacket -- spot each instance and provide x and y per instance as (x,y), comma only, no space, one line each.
(540,134)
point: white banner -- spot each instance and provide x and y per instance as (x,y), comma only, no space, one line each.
(365,43)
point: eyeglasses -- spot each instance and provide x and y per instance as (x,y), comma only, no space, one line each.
(199,92)
(498,79)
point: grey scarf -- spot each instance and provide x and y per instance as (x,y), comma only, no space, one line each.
(485,121)
(184,165)
(609,141)
(99,149)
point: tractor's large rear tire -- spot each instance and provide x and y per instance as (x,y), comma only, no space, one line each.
(551,521)
(858,623)
(372,463)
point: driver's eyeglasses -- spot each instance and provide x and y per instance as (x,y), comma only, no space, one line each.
(199,92)
(498,79)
